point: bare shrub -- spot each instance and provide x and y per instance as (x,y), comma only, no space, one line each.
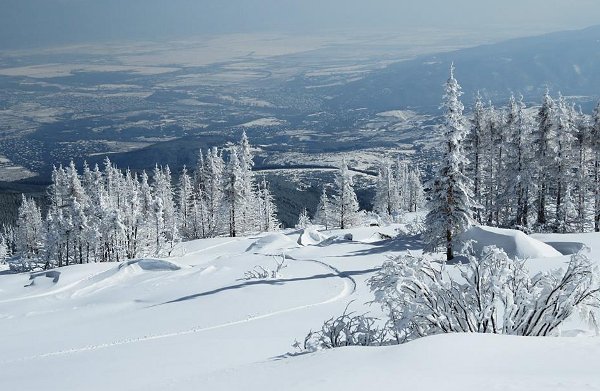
(260,273)
(348,329)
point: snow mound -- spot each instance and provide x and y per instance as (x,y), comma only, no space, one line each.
(516,244)
(272,244)
(151,265)
(47,278)
(310,236)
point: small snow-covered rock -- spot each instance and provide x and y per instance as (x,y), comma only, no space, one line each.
(310,236)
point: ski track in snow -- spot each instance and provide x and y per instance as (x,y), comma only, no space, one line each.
(210,247)
(74,284)
(349,289)
(55,291)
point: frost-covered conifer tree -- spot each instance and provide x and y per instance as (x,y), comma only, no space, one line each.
(542,145)
(267,211)
(386,203)
(163,189)
(584,183)
(451,202)
(345,201)
(303,219)
(249,214)
(215,182)
(595,145)
(234,195)
(158,226)
(29,229)
(562,173)
(518,172)
(4,250)
(414,191)
(324,213)
(474,145)
(186,205)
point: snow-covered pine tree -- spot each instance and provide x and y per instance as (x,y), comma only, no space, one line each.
(158,226)
(562,174)
(386,203)
(474,146)
(4,250)
(186,205)
(130,215)
(73,209)
(400,176)
(199,173)
(451,199)
(215,182)
(303,219)
(234,195)
(414,191)
(146,236)
(595,145)
(249,212)
(163,189)
(518,172)
(29,229)
(267,211)
(583,171)
(324,213)
(492,166)
(543,136)
(345,201)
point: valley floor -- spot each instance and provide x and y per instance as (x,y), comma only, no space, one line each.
(192,323)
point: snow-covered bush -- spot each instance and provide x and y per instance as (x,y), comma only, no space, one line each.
(348,329)
(303,220)
(24,264)
(489,294)
(260,273)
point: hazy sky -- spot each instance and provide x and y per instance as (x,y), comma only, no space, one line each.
(27,23)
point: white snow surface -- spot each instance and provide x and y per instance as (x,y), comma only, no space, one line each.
(192,323)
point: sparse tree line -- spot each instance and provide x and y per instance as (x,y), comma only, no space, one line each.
(107,214)
(110,215)
(398,189)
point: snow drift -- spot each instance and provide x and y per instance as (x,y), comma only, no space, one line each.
(516,244)
(272,244)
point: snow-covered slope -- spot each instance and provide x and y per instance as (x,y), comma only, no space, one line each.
(193,322)
(444,362)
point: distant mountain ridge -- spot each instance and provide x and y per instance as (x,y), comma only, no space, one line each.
(567,61)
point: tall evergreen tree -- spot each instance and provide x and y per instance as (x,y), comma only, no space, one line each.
(386,202)
(345,201)
(474,146)
(324,213)
(542,145)
(595,145)
(451,198)
(29,229)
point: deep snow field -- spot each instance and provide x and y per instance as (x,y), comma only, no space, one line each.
(191,322)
